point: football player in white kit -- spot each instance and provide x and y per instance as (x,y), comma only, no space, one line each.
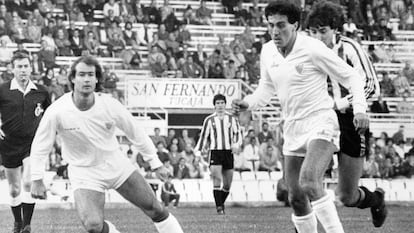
(295,67)
(86,122)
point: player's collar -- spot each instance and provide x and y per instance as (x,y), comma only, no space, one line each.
(15,86)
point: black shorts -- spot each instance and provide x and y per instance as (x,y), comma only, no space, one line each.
(224,158)
(13,150)
(352,143)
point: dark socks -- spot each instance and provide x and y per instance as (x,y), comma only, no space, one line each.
(217,197)
(17,213)
(371,199)
(105,228)
(224,195)
(27,213)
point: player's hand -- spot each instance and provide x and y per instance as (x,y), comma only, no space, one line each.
(238,106)
(38,189)
(162,173)
(361,122)
(2,135)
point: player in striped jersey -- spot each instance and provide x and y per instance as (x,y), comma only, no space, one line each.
(325,22)
(220,134)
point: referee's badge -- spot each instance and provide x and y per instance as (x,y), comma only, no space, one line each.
(299,68)
(38,110)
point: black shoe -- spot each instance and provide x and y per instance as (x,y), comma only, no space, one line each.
(27,229)
(220,210)
(379,213)
(17,227)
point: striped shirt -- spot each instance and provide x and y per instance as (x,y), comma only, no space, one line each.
(353,54)
(219,133)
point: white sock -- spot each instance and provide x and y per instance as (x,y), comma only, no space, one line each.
(111,227)
(27,198)
(305,224)
(15,201)
(169,225)
(327,215)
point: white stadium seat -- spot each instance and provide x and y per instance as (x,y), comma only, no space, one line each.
(276,175)
(248,176)
(252,190)
(261,175)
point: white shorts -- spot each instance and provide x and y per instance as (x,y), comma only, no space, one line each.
(298,133)
(109,175)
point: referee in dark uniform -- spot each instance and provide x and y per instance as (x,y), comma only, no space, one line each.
(22,104)
(220,134)
(325,21)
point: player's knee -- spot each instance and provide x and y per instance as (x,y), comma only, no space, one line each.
(14,191)
(93,225)
(346,198)
(159,215)
(310,187)
(297,201)
(27,185)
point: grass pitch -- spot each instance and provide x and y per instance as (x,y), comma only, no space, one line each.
(205,220)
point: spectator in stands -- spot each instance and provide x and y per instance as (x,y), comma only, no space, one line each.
(382,140)
(200,56)
(371,168)
(190,69)
(223,47)
(173,154)
(181,170)
(6,53)
(189,16)
(216,58)
(170,21)
(33,32)
(60,26)
(372,54)
(170,137)
(238,57)
(114,28)
(47,54)
(230,70)
(391,54)
(50,28)
(89,27)
(157,61)
(204,14)
(172,43)
(138,11)
(76,44)
(62,44)
(111,5)
(247,37)
(8,74)
(5,14)
(126,12)
(16,28)
(229,5)
(184,36)
(407,19)
(185,139)
(397,166)
(269,160)
(408,165)
(91,44)
(156,41)
(171,61)
(110,80)
(63,81)
(241,163)
(241,14)
(162,152)
(381,53)
(197,168)
(45,6)
(188,153)
(382,31)
(405,106)
(151,13)
(256,14)
(251,152)
(349,27)
(379,106)
(265,134)
(130,36)
(116,45)
(216,72)
(239,43)
(86,10)
(4,30)
(157,137)
(399,136)
(47,78)
(408,72)
(387,86)
(401,85)
(55,90)
(168,193)
(162,32)
(169,167)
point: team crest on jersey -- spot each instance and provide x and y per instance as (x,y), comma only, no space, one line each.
(299,68)
(38,110)
(109,125)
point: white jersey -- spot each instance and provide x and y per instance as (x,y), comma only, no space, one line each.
(88,137)
(300,78)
